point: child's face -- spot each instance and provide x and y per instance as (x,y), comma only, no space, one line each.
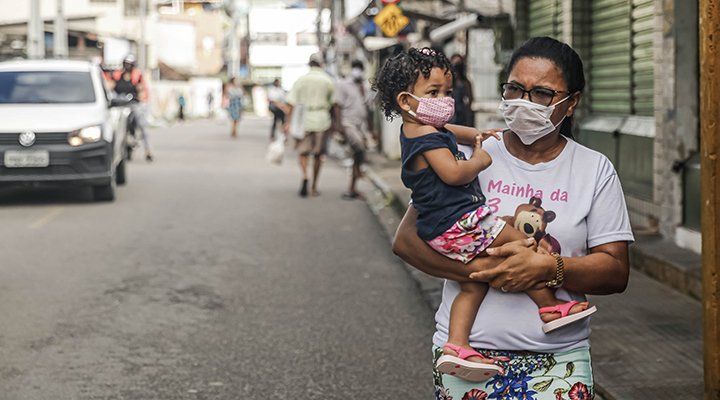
(438,84)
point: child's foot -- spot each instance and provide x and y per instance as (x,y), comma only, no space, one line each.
(459,362)
(448,351)
(552,316)
(569,312)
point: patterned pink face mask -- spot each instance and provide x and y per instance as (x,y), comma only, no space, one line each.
(434,111)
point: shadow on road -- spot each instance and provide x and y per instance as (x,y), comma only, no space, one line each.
(29,196)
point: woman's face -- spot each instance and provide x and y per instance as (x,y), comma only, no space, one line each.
(530,73)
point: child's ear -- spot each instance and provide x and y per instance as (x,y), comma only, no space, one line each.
(403,101)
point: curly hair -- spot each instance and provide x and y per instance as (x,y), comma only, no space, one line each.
(401,72)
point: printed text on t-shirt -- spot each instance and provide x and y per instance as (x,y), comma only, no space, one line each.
(521,191)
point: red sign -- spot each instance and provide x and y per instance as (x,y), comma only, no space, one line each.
(390,1)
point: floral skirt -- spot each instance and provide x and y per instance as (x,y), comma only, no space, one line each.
(526,376)
(470,236)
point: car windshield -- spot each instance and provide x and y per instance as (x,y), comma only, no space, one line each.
(46,87)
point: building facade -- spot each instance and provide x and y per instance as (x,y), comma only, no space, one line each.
(641,102)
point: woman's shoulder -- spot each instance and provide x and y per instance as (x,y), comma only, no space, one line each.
(591,160)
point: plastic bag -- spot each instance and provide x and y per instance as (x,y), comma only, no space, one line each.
(275,152)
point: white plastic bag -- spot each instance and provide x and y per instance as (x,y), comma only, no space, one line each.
(275,152)
(297,121)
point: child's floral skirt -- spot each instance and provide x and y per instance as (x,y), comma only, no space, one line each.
(526,376)
(470,236)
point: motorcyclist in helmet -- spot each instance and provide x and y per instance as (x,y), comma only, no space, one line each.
(129,81)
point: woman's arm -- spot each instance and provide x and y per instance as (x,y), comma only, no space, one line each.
(605,271)
(408,246)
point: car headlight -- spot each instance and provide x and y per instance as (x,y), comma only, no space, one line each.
(90,134)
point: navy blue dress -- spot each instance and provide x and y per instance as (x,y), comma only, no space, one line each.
(439,205)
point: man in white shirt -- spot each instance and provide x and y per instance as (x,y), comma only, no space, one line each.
(276,98)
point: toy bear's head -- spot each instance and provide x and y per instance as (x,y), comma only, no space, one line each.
(532,219)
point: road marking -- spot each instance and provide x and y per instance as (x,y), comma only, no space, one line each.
(54,212)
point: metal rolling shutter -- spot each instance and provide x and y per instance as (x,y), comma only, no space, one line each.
(610,52)
(642,56)
(545,18)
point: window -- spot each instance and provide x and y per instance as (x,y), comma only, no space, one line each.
(545,18)
(307,39)
(46,87)
(132,8)
(270,39)
(621,57)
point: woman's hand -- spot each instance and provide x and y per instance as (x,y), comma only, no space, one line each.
(524,268)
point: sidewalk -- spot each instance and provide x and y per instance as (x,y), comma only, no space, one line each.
(646,342)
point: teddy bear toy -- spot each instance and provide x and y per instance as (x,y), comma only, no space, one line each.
(532,220)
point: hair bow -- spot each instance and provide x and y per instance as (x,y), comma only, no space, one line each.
(429,52)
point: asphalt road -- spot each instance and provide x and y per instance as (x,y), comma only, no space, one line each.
(207,278)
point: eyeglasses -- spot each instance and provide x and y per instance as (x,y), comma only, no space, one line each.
(542,96)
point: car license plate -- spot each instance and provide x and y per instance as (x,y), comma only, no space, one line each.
(27,159)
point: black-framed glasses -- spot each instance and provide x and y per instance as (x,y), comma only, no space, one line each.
(542,96)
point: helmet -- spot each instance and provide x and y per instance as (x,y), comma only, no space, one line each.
(130,59)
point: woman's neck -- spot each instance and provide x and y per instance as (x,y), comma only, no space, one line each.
(543,150)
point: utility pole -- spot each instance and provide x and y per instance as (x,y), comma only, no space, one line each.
(142,51)
(36,32)
(710,191)
(234,67)
(60,45)
(319,27)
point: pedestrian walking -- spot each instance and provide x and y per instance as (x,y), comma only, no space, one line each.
(315,91)
(353,119)
(181,108)
(233,97)
(210,102)
(462,94)
(568,200)
(276,101)
(129,81)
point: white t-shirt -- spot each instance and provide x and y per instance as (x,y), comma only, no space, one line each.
(583,191)
(276,94)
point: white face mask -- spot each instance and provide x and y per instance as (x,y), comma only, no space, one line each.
(529,121)
(357,74)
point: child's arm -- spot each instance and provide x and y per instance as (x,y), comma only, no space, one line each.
(466,135)
(458,172)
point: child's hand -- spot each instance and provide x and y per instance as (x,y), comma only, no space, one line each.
(487,134)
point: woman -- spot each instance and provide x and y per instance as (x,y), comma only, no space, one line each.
(568,199)
(233,99)
(462,93)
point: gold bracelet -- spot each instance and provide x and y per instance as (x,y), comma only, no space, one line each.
(559,272)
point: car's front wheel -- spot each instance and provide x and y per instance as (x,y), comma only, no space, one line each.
(120,173)
(105,192)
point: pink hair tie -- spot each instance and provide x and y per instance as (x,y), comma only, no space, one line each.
(429,52)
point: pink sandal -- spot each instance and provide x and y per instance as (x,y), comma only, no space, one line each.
(564,319)
(458,365)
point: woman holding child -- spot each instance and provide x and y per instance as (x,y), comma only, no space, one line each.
(561,200)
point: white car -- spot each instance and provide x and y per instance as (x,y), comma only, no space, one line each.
(60,125)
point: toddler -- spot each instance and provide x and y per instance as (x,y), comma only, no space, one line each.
(452,215)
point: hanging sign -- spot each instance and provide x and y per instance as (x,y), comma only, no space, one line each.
(391,20)
(390,1)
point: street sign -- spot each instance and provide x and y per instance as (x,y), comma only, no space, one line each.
(391,20)
(390,1)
